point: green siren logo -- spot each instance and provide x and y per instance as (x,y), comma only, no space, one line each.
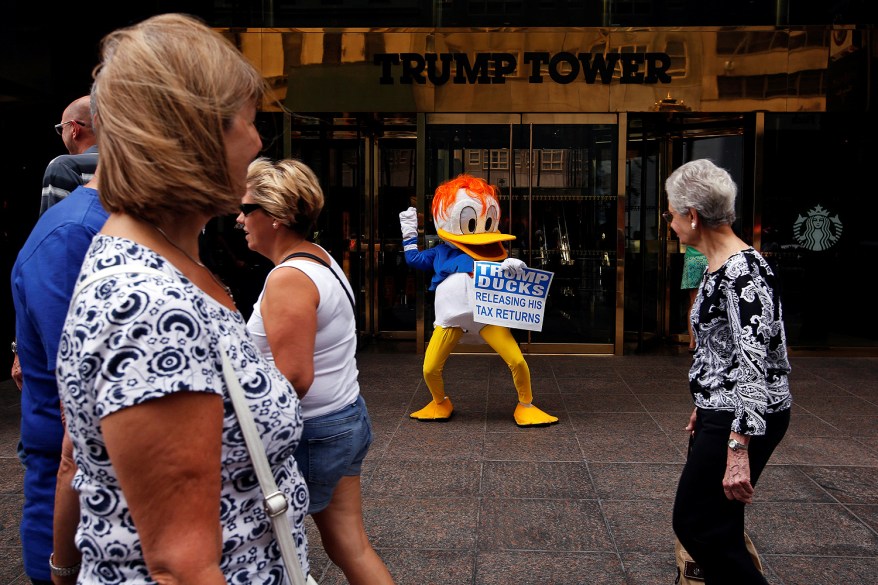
(818,231)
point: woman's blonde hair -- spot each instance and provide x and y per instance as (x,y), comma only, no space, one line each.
(164,92)
(287,190)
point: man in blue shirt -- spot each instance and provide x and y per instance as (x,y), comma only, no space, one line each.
(43,277)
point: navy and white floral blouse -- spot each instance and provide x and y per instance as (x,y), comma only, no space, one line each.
(132,338)
(740,363)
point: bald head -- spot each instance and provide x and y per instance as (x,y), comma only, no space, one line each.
(78,136)
(78,110)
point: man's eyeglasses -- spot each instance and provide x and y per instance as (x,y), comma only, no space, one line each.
(668,216)
(59,128)
(248,208)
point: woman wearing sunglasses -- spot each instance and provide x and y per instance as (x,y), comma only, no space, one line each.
(304,320)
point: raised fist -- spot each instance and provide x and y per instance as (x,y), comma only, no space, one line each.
(513,268)
(408,223)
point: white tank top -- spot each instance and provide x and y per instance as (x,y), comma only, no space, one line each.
(335,366)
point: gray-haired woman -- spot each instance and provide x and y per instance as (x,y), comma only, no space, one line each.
(738,379)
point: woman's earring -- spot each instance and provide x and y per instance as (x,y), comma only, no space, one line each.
(693,225)
(274,225)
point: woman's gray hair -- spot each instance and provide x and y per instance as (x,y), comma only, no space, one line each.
(706,188)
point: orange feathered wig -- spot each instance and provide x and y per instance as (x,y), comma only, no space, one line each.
(446,193)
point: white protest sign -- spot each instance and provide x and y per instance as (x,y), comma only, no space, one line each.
(517,303)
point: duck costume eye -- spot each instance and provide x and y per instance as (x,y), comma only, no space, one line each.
(469,220)
(466,213)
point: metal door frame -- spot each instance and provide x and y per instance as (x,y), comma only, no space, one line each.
(738,125)
(528,119)
(373,242)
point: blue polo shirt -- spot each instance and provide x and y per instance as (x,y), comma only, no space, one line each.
(43,277)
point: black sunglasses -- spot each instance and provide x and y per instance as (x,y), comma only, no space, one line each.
(248,208)
(668,216)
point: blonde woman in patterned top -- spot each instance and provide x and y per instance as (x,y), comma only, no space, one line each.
(167,488)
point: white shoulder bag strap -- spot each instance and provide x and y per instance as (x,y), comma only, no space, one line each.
(274,499)
(112,271)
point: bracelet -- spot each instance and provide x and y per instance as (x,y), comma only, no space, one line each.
(63,571)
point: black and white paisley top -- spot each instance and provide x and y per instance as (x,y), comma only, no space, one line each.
(740,363)
(134,337)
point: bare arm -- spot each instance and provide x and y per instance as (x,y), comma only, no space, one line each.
(66,519)
(692,419)
(166,453)
(16,372)
(736,483)
(289,310)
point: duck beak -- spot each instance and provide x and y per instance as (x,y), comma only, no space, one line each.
(484,246)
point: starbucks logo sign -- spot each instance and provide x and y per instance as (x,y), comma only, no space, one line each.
(817,230)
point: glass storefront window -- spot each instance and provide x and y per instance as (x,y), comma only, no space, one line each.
(816,231)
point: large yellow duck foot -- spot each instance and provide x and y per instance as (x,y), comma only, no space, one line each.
(531,416)
(435,412)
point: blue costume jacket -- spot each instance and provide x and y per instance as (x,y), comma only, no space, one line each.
(442,259)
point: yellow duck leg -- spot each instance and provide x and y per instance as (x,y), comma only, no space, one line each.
(441,344)
(526,414)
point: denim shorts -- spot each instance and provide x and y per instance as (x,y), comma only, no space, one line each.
(333,446)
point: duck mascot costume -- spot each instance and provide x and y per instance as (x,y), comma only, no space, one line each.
(466,213)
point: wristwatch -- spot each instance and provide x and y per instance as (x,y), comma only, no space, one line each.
(63,571)
(14,347)
(737,446)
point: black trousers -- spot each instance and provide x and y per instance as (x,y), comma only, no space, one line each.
(710,526)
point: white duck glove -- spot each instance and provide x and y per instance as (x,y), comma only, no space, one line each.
(513,268)
(408,223)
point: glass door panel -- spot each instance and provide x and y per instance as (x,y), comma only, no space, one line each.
(727,151)
(557,180)
(643,230)
(338,158)
(656,309)
(393,281)
(572,206)
(483,149)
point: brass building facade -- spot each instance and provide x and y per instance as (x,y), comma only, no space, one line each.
(578,127)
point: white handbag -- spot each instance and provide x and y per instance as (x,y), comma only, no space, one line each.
(275,501)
